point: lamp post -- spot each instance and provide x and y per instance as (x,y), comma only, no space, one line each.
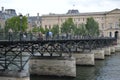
(21,16)
(21,59)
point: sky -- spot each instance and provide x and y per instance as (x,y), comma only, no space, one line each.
(58,6)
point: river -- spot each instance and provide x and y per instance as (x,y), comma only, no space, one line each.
(108,69)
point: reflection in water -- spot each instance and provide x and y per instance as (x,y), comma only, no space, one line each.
(108,69)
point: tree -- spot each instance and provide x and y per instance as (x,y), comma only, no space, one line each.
(55,29)
(1,29)
(16,24)
(92,27)
(80,30)
(35,29)
(0,26)
(39,29)
(68,26)
(42,30)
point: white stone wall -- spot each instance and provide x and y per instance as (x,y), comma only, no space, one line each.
(84,58)
(107,51)
(99,54)
(112,49)
(12,78)
(55,67)
(117,48)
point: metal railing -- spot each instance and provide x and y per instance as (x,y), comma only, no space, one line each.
(35,37)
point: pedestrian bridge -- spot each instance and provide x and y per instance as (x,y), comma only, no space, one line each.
(21,55)
(18,53)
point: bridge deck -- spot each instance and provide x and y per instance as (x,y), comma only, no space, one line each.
(18,53)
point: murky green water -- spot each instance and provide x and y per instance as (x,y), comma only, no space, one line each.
(108,69)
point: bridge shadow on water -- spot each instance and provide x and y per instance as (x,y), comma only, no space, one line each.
(36,77)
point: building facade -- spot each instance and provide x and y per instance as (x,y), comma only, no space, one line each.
(5,14)
(108,21)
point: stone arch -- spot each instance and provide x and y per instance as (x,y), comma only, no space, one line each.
(116,34)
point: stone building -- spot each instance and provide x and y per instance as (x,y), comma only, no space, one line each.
(5,14)
(34,21)
(108,21)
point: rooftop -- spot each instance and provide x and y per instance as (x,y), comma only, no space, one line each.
(77,13)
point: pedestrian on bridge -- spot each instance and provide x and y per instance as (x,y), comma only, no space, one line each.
(40,36)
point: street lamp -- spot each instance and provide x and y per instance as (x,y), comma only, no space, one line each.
(21,59)
(21,16)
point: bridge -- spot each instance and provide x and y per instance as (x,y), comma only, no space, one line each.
(17,52)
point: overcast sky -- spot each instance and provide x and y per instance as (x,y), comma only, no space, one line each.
(58,6)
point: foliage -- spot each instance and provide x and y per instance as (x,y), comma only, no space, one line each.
(46,30)
(92,27)
(35,29)
(0,26)
(55,29)
(81,30)
(41,29)
(38,29)
(68,26)
(16,24)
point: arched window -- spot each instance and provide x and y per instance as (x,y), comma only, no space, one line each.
(116,34)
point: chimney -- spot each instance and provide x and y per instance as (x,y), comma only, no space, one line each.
(28,15)
(37,16)
(2,9)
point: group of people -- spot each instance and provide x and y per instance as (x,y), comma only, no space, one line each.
(48,35)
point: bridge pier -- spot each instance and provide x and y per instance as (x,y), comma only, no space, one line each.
(99,54)
(84,58)
(112,49)
(117,48)
(14,75)
(107,51)
(54,66)
(13,78)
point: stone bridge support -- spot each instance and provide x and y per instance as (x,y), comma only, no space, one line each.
(112,49)
(117,48)
(55,66)
(14,75)
(107,51)
(84,58)
(99,54)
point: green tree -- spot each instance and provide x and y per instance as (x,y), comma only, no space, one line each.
(35,29)
(16,24)
(0,26)
(1,29)
(47,30)
(55,29)
(92,27)
(38,29)
(42,30)
(68,26)
(80,30)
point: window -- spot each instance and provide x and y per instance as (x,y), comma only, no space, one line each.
(102,25)
(116,25)
(102,18)
(49,26)
(110,25)
(83,19)
(45,26)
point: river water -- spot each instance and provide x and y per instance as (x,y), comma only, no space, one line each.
(108,69)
